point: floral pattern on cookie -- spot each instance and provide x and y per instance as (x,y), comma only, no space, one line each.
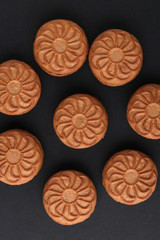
(143,112)
(21,157)
(130,177)
(80,121)
(115,57)
(69,197)
(60,47)
(20,88)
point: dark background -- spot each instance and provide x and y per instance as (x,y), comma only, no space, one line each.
(22,215)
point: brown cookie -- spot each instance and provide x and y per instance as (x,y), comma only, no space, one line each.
(20,88)
(21,157)
(130,177)
(115,57)
(69,197)
(80,121)
(60,47)
(143,111)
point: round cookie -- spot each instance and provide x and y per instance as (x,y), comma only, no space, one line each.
(21,157)
(80,121)
(20,88)
(115,57)
(60,47)
(130,177)
(143,111)
(69,197)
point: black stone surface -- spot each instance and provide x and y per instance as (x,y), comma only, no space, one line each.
(22,215)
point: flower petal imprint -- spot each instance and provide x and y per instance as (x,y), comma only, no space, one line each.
(130,177)
(69,197)
(21,157)
(80,121)
(115,57)
(60,47)
(20,88)
(143,111)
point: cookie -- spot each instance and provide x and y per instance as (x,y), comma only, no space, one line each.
(143,111)
(130,177)
(115,57)
(21,157)
(60,47)
(80,121)
(69,197)
(20,88)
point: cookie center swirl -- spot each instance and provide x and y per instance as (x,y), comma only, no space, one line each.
(13,156)
(69,196)
(59,45)
(131,176)
(153,110)
(14,87)
(79,121)
(116,55)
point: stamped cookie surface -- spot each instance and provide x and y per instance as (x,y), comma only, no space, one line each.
(80,121)
(21,157)
(143,111)
(20,88)
(115,57)
(60,47)
(69,197)
(130,177)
